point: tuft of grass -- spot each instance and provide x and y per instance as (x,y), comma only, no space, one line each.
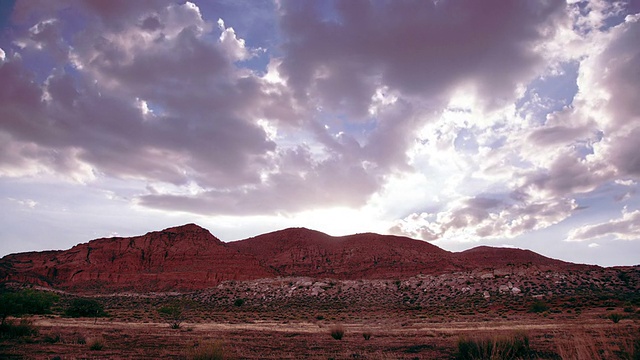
(615,317)
(513,346)
(366,335)
(208,351)
(337,332)
(96,344)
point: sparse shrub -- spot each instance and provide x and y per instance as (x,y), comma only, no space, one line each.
(173,314)
(538,307)
(615,317)
(366,335)
(337,332)
(628,309)
(11,330)
(320,317)
(96,344)
(82,307)
(513,346)
(208,351)
(238,302)
(79,339)
(52,338)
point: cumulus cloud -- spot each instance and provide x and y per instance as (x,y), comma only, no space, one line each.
(350,98)
(482,217)
(425,49)
(626,227)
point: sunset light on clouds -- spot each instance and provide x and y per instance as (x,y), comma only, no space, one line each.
(459,122)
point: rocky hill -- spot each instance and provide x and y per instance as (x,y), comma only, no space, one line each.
(303,252)
(181,258)
(188,257)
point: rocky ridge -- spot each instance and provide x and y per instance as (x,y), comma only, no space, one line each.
(189,258)
(183,258)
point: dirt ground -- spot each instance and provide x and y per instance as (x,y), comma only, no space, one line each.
(392,337)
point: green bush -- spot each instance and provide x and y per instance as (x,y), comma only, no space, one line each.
(238,302)
(538,307)
(24,328)
(366,335)
(513,346)
(25,302)
(82,307)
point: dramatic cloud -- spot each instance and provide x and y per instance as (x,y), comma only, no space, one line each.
(451,121)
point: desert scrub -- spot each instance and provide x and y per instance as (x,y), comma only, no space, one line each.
(366,335)
(538,307)
(208,351)
(513,346)
(23,329)
(96,344)
(337,332)
(615,317)
(173,314)
(85,308)
(25,302)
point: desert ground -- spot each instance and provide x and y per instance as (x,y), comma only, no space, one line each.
(135,329)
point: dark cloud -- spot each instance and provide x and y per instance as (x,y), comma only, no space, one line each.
(419,48)
(569,174)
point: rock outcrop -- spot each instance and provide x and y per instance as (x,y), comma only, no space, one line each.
(303,252)
(188,257)
(176,259)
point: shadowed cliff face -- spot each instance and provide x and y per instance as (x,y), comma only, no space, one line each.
(188,258)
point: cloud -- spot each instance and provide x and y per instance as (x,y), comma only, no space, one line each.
(625,228)
(349,98)
(198,121)
(482,217)
(424,49)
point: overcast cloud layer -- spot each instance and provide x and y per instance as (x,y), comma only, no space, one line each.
(459,122)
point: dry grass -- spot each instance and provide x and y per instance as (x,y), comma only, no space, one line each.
(510,346)
(585,345)
(395,335)
(208,351)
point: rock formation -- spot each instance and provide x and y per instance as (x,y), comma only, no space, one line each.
(189,258)
(176,259)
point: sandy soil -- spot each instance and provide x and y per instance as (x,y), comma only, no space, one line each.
(392,338)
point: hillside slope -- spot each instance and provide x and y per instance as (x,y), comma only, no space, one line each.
(188,257)
(181,258)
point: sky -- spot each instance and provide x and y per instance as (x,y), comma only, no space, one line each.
(458,122)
